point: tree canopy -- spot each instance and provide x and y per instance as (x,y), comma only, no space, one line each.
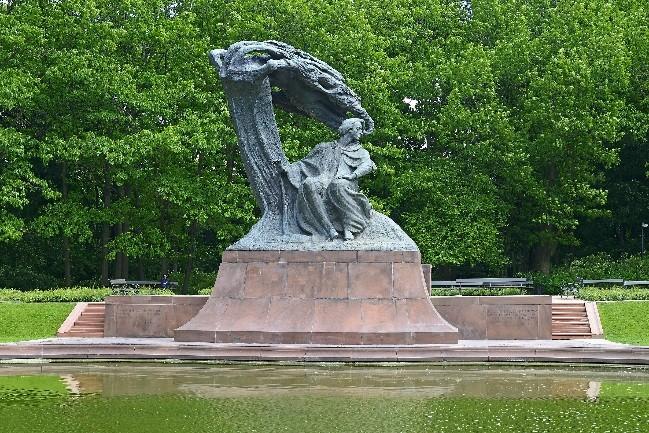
(510,134)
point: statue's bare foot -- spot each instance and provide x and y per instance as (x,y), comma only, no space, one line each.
(333,234)
(348,235)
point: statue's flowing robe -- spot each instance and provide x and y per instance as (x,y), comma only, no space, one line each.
(324,201)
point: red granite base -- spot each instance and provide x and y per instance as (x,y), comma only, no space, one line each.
(319,297)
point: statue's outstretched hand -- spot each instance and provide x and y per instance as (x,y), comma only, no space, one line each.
(346,176)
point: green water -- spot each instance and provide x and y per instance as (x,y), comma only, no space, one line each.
(329,398)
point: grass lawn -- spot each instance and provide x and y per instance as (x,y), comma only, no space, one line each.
(626,321)
(29,321)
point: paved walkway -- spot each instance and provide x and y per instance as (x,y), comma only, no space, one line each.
(572,351)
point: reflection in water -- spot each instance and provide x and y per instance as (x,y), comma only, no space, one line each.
(329,398)
(258,382)
(593,390)
(227,381)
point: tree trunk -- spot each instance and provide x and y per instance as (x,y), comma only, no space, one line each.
(164,266)
(105,227)
(125,192)
(117,272)
(164,260)
(620,232)
(125,270)
(140,269)
(66,262)
(189,264)
(542,256)
(138,230)
(67,267)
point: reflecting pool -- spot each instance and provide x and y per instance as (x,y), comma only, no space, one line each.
(135,397)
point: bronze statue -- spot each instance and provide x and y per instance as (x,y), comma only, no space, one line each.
(328,199)
(315,203)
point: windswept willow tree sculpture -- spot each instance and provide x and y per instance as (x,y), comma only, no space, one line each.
(257,76)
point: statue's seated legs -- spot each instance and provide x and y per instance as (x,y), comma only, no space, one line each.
(352,207)
(314,195)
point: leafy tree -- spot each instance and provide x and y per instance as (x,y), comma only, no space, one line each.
(118,158)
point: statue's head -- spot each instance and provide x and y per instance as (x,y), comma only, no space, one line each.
(353,124)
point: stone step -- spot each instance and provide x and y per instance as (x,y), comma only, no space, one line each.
(575,321)
(86,327)
(569,335)
(94,324)
(568,305)
(90,319)
(570,320)
(87,323)
(570,314)
(85,334)
(559,327)
(95,312)
(96,319)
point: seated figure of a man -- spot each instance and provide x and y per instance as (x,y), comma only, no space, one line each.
(329,202)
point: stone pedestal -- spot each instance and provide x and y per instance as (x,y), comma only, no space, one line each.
(319,297)
(498,317)
(149,316)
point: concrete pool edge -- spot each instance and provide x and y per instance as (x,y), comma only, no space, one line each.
(556,351)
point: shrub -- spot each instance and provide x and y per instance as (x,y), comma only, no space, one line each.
(597,267)
(71,294)
(476,291)
(612,294)
(198,281)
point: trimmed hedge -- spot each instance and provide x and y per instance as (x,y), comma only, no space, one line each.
(477,291)
(71,294)
(612,294)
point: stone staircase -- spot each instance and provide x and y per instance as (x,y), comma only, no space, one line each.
(570,320)
(86,320)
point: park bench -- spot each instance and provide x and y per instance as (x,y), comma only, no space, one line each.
(607,282)
(122,286)
(490,283)
(635,283)
(573,289)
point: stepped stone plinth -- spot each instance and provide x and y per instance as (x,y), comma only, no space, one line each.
(319,297)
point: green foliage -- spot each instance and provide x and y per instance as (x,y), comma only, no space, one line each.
(199,282)
(30,321)
(72,294)
(474,291)
(595,267)
(613,294)
(117,154)
(625,322)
